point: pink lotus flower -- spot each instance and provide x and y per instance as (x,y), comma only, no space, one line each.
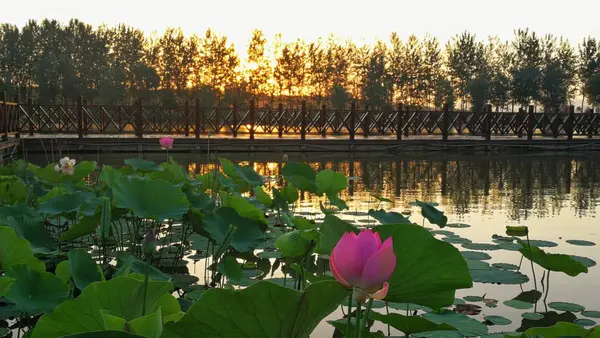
(363,263)
(166,143)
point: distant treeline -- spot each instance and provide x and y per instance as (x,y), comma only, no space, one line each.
(49,62)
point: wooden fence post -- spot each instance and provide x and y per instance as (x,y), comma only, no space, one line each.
(197,113)
(234,117)
(445,123)
(366,123)
(17,117)
(280,120)
(80,117)
(251,115)
(520,120)
(590,123)
(4,115)
(488,124)
(30,113)
(139,121)
(399,122)
(186,112)
(323,120)
(405,118)
(571,122)
(352,120)
(530,123)
(303,121)
(85,118)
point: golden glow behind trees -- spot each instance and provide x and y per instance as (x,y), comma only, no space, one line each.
(58,63)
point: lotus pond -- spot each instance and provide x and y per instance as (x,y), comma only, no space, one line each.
(233,246)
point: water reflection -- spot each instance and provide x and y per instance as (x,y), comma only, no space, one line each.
(522,186)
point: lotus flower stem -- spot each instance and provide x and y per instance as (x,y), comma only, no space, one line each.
(349,316)
(365,320)
(146,286)
(357,327)
(532,267)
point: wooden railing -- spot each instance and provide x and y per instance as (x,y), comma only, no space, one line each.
(192,119)
(9,119)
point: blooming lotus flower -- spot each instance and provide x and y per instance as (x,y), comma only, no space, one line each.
(363,263)
(166,143)
(67,166)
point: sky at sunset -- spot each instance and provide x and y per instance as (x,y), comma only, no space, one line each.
(362,21)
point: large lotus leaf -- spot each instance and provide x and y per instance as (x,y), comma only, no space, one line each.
(243,207)
(105,334)
(141,165)
(388,217)
(28,224)
(84,226)
(558,330)
(13,189)
(121,297)
(293,244)
(35,290)
(301,175)
(172,172)
(330,182)
(84,270)
(66,203)
(552,262)
(154,199)
(5,284)
(199,200)
(248,235)
(261,310)
(332,230)
(549,319)
(467,326)
(433,215)
(127,264)
(425,267)
(15,251)
(409,324)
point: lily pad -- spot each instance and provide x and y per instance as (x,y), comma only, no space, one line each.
(498,320)
(456,240)
(464,324)
(388,217)
(480,246)
(475,255)
(532,315)
(580,242)
(443,232)
(591,314)
(509,246)
(505,266)
(409,307)
(542,243)
(473,298)
(458,301)
(478,265)
(498,276)
(584,260)
(566,306)
(517,304)
(458,225)
(585,322)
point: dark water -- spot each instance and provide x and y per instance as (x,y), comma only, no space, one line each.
(555,195)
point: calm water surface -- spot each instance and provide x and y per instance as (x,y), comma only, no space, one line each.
(555,195)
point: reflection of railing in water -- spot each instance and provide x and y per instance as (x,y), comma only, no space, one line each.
(191,119)
(522,186)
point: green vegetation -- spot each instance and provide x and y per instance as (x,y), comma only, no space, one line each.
(112,246)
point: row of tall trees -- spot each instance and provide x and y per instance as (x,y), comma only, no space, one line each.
(51,62)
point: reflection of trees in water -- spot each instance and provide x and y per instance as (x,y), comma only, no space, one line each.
(523,186)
